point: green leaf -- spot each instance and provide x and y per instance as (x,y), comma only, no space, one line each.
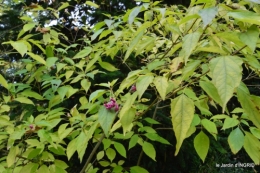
(133,44)
(138,169)
(30,93)
(24,100)
(96,94)
(107,66)
(247,104)
(156,137)
(226,76)
(211,90)
(236,140)
(83,53)
(106,118)
(142,84)
(37,58)
(127,118)
(10,159)
(149,150)
(230,122)
(133,141)
(133,14)
(85,84)
(255,132)
(43,169)
(190,68)
(92,4)
(94,36)
(252,147)
(51,61)
(71,148)
(120,149)
(182,112)
(100,155)
(250,37)
(28,26)
(210,127)
(245,16)
(161,85)
(201,145)
(190,42)
(208,14)
(20,46)
(29,168)
(111,154)
(3,82)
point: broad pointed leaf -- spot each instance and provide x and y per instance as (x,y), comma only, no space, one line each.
(226,76)
(236,140)
(208,14)
(106,118)
(201,145)
(142,84)
(182,112)
(250,37)
(149,150)
(161,85)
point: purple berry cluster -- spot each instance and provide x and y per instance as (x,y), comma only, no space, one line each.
(133,89)
(112,104)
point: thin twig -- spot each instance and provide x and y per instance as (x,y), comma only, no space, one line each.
(92,154)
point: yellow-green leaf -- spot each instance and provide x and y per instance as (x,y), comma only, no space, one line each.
(236,140)
(3,82)
(24,100)
(226,76)
(149,150)
(142,84)
(201,145)
(107,66)
(182,112)
(37,58)
(252,147)
(161,85)
(190,42)
(20,46)
(92,4)
(250,37)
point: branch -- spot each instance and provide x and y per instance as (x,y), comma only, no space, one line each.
(92,154)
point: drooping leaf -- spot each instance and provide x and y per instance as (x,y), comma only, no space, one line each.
(3,82)
(149,150)
(182,112)
(230,122)
(210,127)
(246,16)
(252,147)
(236,140)
(107,66)
(83,53)
(142,84)
(106,118)
(226,76)
(28,26)
(20,46)
(127,118)
(133,14)
(71,148)
(201,145)
(111,154)
(92,4)
(37,58)
(250,37)
(247,104)
(64,5)
(120,149)
(208,14)
(211,90)
(161,85)
(138,169)
(133,45)
(24,100)
(190,42)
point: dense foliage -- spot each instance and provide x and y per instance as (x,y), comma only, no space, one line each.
(133,92)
